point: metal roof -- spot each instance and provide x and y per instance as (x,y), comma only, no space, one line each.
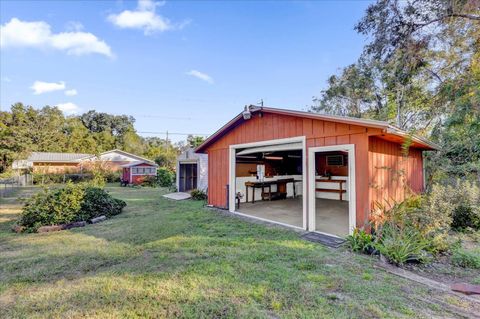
(55,157)
(388,128)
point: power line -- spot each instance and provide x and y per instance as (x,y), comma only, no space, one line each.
(175,133)
(135,115)
(161,117)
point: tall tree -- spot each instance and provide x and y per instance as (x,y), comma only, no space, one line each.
(420,66)
(97,122)
(352,93)
(420,42)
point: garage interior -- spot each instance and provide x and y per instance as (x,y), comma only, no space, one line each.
(331,193)
(269,180)
(269,183)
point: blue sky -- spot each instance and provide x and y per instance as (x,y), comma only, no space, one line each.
(181,66)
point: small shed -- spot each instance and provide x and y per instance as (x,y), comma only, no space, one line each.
(136,172)
(192,171)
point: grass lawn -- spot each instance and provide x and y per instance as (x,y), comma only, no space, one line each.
(161,258)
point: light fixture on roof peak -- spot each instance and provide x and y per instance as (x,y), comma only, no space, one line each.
(246,113)
(249,109)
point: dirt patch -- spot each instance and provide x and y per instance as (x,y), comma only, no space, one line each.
(442,295)
(445,272)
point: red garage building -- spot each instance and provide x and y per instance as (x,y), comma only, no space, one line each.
(327,171)
(136,172)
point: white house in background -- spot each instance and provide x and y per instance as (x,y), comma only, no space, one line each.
(192,171)
(55,163)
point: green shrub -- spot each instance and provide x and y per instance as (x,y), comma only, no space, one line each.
(198,194)
(360,241)
(465,217)
(402,244)
(466,258)
(54,178)
(45,179)
(53,207)
(98,202)
(73,202)
(165,177)
(112,177)
(420,225)
(98,177)
(150,181)
(458,203)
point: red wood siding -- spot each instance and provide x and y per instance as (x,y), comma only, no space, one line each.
(138,179)
(275,126)
(391,172)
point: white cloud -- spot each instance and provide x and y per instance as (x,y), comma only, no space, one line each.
(71,92)
(40,87)
(143,17)
(6,79)
(68,108)
(38,34)
(200,75)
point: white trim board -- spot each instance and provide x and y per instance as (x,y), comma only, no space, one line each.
(352,212)
(271,148)
(232,174)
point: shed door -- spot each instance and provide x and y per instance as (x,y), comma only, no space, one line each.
(188,177)
(126,174)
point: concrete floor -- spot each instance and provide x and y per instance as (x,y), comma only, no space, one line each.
(331,215)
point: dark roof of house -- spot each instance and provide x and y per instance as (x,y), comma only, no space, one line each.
(386,127)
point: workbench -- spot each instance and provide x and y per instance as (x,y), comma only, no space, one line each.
(266,187)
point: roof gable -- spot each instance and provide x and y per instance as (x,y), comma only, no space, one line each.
(117,155)
(383,127)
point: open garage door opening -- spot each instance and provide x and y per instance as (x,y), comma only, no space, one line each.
(269,183)
(332,191)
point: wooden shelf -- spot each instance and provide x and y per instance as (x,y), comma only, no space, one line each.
(328,190)
(338,181)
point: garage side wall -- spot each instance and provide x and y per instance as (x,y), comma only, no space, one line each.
(393,173)
(218,177)
(276,126)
